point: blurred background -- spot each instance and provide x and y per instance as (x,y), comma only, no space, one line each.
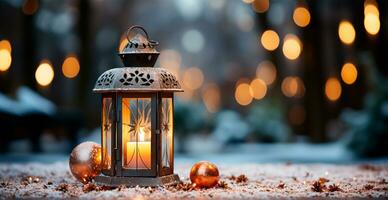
(264,80)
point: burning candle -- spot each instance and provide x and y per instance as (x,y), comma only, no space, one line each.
(141,151)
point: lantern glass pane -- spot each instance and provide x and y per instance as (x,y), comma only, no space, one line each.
(167,132)
(136,133)
(107,123)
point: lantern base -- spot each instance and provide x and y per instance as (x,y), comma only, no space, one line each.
(138,181)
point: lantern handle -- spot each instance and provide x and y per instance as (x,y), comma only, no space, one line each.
(152,43)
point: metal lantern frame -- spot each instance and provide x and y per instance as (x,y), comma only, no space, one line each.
(138,80)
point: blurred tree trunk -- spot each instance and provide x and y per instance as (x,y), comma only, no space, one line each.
(84,90)
(314,70)
(30,62)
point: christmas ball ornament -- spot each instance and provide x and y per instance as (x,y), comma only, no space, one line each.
(204,174)
(85,161)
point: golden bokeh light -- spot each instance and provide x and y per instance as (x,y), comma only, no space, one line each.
(346,32)
(289,86)
(70,67)
(193,78)
(301,16)
(170,60)
(266,71)
(349,73)
(30,7)
(211,97)
(292,46)
(5,60)
(293,86)
(248,1)
(260,6)
(6,45)
(243,94)
(372,23)
(333,89)
(258,89)
(371,9)
(270,40)
(44,74)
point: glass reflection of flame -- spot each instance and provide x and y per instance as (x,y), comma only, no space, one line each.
(107,128)
(141,130)
(166,130)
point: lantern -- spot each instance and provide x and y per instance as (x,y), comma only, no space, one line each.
(137,134)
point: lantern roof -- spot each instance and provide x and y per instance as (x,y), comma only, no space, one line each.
(138,73)
(137,79)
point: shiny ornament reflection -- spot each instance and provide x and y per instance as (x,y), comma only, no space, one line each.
(85,161)
(204,174)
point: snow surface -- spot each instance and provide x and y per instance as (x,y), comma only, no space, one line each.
(355,181)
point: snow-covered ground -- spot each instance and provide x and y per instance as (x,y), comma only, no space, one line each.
(245,153)
(37,180)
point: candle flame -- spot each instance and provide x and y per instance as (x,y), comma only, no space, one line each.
(141,134)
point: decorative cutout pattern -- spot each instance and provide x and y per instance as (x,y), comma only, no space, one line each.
(168,81)
(136,77)
(106,79)
(126,80)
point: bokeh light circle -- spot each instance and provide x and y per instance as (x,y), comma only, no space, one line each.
(270,40)
(44,74)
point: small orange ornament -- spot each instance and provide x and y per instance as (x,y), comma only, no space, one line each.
(204,174)
(85,161)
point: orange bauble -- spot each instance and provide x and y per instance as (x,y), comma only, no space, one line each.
(85,161)
(204,174)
